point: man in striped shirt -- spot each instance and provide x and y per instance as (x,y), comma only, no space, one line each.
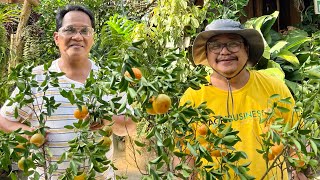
(74,38)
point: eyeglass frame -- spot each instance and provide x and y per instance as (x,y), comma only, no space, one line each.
(78,31)
(224,45)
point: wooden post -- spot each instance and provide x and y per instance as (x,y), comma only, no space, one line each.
(17,47)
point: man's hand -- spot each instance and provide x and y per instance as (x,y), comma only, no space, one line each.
(123,125)
(298,176)
(96,126)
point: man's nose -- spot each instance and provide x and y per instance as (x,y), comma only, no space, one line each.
(225,50)
(77,36)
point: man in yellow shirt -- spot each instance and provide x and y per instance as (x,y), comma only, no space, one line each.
(234,91)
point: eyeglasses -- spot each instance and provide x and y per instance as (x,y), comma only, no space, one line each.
(216,47)
(72,31)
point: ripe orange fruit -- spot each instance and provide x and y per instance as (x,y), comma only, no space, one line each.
(265,129)
(271,156)
(108,130)
(298,162)
(37,139)
(80,177)
(217,153)
(202,140)
(20,146)
(137,73)
(161,104)
(106,142)
(81,114)
(151,111)
(277,149)
(202,130)
(20,163)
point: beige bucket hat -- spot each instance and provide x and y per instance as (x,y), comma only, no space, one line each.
(225,26)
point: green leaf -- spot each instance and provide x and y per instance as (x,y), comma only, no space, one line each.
(68,127)
(229,138)
(287,127)
(290,57)
(191,149)
(137,43)
(296,143)
(286,100)
(73,166)
(156,160)
(151,133)
(132,92)
(304,131)
(313,163)
(278,46)
(275,72)
(274,96)
(283,109)
(194,22)
(63,157)
(139,144)
(314,146)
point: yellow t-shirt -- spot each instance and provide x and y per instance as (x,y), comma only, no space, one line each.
(250,102)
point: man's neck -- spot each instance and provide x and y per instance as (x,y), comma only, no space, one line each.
(236,82)
(77,69)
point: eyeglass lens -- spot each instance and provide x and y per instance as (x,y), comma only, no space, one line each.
(216,47)
(71,31)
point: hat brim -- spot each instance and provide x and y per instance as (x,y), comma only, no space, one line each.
(252,36)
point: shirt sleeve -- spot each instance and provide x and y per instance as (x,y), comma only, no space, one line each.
(187,96)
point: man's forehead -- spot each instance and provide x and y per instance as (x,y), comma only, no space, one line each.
(226,36)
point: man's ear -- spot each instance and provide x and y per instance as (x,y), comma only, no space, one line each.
(56,38)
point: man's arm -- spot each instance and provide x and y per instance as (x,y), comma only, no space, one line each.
(9,126)
(123,125)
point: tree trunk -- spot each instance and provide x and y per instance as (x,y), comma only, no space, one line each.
(17,39)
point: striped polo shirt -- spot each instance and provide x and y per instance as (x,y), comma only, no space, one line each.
(58,136)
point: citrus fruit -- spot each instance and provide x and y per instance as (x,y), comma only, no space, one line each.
(271,156)
(277,149)
(20,163)
(265,129)
(161,104)
(298,162)
(20,146)
(108,130)
(37,139)
(151,111)
(106,141)
(137,73)
(81,114)
(202,130)
(80,177)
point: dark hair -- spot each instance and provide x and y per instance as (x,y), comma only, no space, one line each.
(62,12)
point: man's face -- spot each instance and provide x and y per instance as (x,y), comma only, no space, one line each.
(227,54)
(75,37)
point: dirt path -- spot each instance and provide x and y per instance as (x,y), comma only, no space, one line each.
(122,163)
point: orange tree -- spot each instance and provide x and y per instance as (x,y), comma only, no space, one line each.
(293,56)
(159,47)
(162,57)
(166,71)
